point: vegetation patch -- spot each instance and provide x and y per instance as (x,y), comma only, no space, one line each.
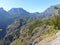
(18,42)
(49,32)
(33,26)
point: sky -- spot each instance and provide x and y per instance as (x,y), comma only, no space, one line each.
(28,5)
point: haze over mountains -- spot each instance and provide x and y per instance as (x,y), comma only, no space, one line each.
(15,18)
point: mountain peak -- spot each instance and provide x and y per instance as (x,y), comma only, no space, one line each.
(19,11)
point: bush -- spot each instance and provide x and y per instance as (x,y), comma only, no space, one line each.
(33,26)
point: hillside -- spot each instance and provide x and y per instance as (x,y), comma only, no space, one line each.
(19,27)
(37,32)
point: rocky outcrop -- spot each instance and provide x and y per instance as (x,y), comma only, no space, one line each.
(55,41)
(51,40)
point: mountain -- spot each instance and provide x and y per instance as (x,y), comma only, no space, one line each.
(35,31)
(48,12)
(4,21)
(19,13)
(19,24)
(4,18)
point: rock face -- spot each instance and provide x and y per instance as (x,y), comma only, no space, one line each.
(55,41)
(52,40)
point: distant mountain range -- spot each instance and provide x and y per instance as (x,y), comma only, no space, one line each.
(23,14)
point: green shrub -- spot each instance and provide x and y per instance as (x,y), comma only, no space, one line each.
(33,26)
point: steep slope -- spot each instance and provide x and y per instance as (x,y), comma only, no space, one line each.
(4,17)
(4,21)
(50,40)
(55,41)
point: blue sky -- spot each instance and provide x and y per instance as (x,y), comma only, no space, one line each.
(29,5)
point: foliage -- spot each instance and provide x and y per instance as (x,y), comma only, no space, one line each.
(49,32)
(55,21)
(18,43)
(33,26)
